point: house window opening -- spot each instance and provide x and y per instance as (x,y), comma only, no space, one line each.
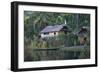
(46,33)
(54,33)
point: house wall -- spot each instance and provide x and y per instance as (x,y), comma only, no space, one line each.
(51,34)
(61,32)
(82,40)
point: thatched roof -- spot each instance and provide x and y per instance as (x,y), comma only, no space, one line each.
(54,28)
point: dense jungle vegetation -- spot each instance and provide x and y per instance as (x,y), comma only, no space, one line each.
(34,22)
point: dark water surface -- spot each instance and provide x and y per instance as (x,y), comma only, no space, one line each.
(59,54)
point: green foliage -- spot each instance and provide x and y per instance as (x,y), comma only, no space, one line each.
(72,40)
(34,22)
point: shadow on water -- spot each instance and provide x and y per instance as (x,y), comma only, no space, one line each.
(59,54)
